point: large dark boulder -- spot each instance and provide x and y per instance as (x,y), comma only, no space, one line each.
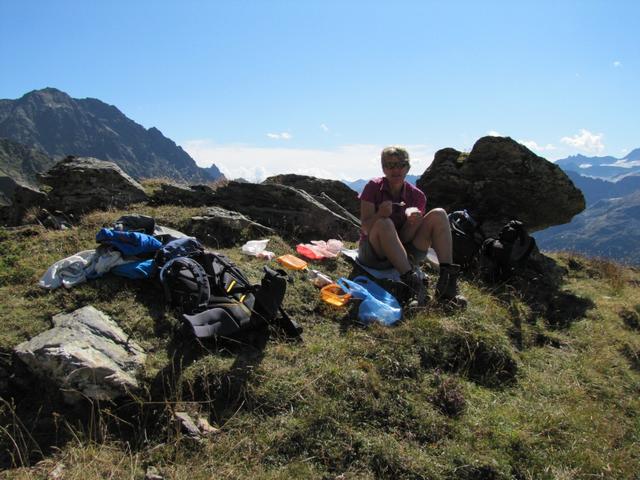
(184,195)
(291,212)
(319,187)
(16,199)
(81,184)
(499,180)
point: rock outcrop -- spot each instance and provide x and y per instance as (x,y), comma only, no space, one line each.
(291,212)
(188,196)
(86,355)
(224,228)
(336,190)
(16,199)
(287,210)
(499,180)
(81,184)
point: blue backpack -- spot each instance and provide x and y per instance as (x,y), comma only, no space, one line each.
(181,247)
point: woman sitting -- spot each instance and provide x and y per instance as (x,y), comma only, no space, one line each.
(396,232)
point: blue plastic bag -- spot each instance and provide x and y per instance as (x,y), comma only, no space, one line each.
(377,305)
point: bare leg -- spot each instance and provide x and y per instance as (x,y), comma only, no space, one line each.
(386,243)
(434,231)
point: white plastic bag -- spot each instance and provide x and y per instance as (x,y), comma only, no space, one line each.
(256,248)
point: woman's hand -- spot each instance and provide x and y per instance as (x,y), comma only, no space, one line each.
(385,209)
(413,215)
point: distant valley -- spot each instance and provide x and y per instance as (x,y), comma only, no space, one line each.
(610,225)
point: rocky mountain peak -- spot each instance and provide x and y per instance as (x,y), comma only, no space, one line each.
(58,125)
(49,97)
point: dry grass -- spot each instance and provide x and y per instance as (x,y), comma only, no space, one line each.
(493,392)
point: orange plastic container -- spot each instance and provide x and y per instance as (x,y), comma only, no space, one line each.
(291,262)
(334,295)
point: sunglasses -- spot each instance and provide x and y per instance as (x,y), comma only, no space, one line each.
(392,165)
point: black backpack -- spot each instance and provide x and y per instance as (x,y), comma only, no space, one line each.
(234,304)
(467,237)
(501,257)
(186,284)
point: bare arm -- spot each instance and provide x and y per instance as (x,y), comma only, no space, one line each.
(369,216)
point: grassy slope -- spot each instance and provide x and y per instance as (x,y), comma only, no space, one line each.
(492,392)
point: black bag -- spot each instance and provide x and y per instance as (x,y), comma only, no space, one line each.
(136,223)
(185,284)
(501,257)
(236,305)
(467,237)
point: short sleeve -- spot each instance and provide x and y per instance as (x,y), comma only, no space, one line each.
(420,200)
(369,191)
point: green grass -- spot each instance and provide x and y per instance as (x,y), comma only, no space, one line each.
(494,392)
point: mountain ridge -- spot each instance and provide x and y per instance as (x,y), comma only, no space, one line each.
(607,167)
(53,122)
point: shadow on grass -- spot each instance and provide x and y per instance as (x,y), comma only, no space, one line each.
(539,285)
(223,393)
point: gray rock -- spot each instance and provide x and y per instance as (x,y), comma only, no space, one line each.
(54,221)
(153,473)
(16,198)
(167,234)
(289,211)
(499,180)
(187,424)
(188,196)
(84,354)
(81,184)
(224,228)
(316,187)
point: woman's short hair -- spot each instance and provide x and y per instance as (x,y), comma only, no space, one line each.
(395,151)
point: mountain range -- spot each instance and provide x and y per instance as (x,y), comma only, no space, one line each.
(359,184)
(53,123)
(607,168)
(21,162)
(610,225)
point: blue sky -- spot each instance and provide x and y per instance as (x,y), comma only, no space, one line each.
(319,87)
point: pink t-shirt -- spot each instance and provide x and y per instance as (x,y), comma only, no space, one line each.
(377,191)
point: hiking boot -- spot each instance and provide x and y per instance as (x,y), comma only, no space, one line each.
(415,291)
(447,286)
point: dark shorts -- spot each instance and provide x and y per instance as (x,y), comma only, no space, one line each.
(368,257)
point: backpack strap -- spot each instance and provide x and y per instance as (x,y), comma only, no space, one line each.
(289,326)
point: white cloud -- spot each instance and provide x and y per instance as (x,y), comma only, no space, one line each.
(493,133)
(324,127)
(585,165)
(347,162)
(586,141)
(532,145)
(617,64)
(280,136)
